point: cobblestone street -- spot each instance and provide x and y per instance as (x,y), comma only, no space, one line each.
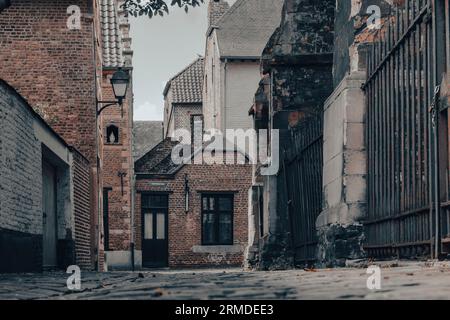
(404,281)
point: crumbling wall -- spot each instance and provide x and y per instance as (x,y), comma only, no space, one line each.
(339,226)
(298,58)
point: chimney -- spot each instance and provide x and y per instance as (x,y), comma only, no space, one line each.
(216,9)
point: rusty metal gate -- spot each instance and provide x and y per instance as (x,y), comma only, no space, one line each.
(302,175)
(407,133)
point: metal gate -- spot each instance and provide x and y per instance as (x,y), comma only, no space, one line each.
(407,161)
(302,175)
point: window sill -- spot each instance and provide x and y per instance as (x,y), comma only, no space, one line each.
(218,249)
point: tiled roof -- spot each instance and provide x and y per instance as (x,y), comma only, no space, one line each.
(146,134)
(187,85)
(158,160)
(244,30)
(111,38)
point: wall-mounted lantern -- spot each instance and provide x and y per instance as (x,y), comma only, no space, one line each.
(119,82)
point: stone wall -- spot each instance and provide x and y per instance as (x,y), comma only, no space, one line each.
(349,53)
(298,60)
(344,174)
(339,226)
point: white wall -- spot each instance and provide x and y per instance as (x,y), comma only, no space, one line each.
(212,87)
(229,90)
(241,83)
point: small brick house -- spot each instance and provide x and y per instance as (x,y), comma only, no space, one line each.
(190,215)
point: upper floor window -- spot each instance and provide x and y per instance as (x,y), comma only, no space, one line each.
(112,134)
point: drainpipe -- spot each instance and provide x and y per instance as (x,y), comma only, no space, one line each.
(133,180)
(224,118)
(97,229)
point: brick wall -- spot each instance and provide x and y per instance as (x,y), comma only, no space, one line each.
(185,228)
(81,190)
(216,9)
(117,158)
(182,117)
(56,73)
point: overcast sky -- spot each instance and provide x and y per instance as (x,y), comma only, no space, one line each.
(163,46)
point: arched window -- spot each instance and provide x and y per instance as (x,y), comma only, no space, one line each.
(112,134)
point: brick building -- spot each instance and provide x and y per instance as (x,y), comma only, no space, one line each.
(54,68)
(116,131)
(192,214)
(44,193)
(183,99)
(54,54)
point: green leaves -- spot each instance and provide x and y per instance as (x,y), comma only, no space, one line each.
(151,8)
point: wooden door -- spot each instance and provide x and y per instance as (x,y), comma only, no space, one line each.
(49,215)
(154,238)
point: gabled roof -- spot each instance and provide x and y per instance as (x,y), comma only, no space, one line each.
(111,38)
(146,135)
(187,85)
(158,160)
(243,31)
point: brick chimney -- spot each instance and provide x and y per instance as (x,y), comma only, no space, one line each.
(216,9)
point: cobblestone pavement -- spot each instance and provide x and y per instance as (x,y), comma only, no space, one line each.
(404,281)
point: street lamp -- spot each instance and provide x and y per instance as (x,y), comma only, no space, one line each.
(120,82)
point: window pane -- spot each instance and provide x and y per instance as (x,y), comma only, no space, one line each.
(148,226)
(208,228)
(205,203)
(154,201)
(225,229)
(160,226)
(225,204)
(211,204)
